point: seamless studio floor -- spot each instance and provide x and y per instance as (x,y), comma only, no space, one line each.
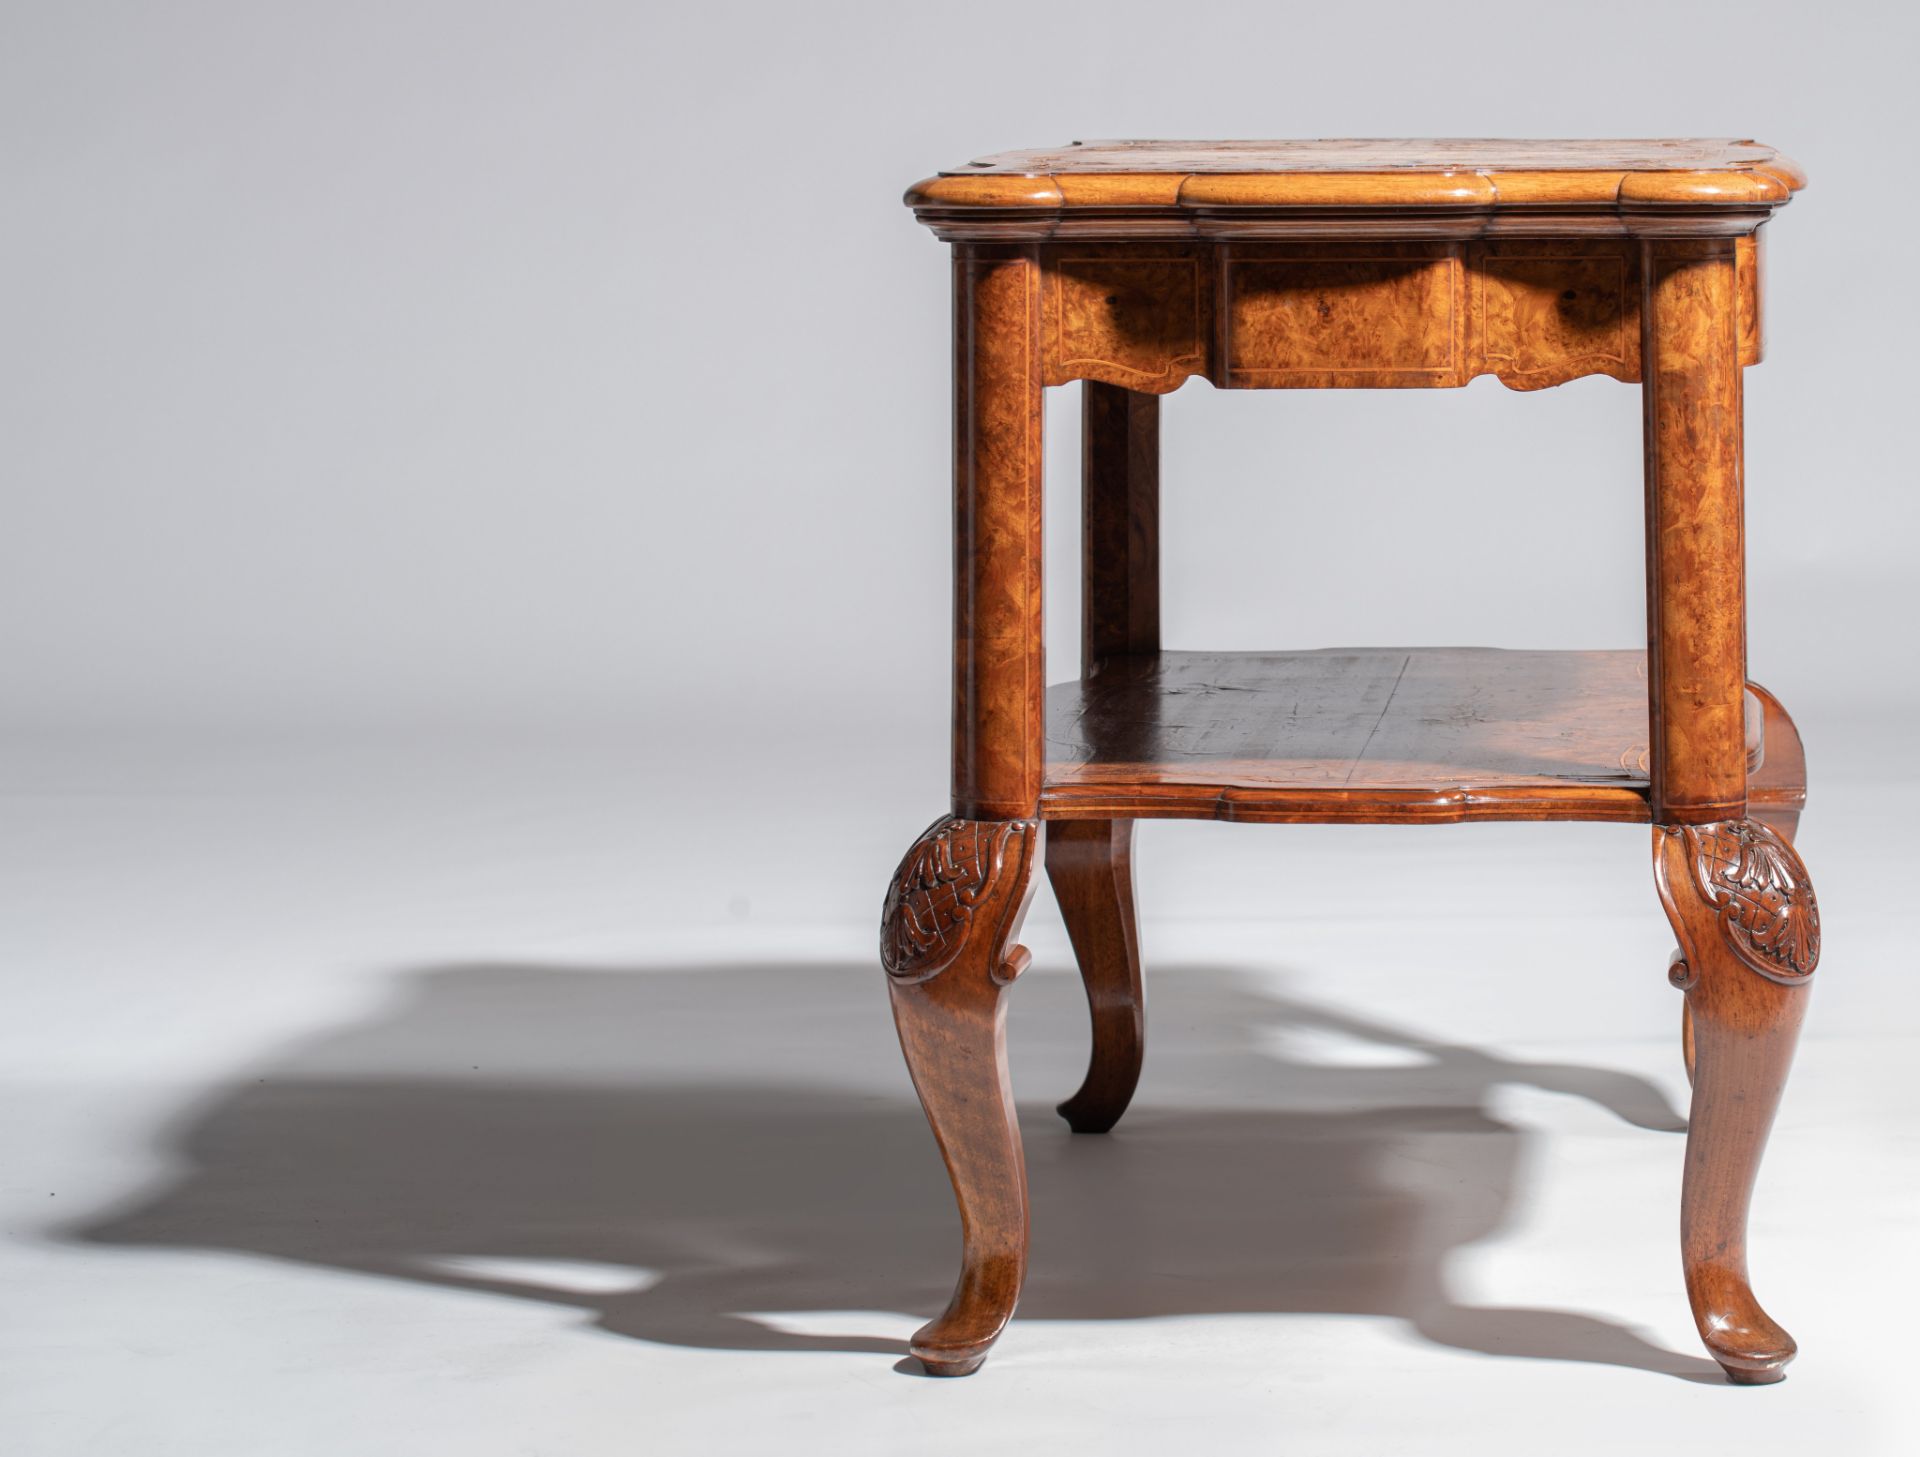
(514,1098)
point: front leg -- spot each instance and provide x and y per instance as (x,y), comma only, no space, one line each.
(1743,911)
(946,937)
(1778,793)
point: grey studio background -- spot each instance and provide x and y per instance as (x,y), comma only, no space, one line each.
(473,644)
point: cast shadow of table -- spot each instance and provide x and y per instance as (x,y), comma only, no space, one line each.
(746,1137)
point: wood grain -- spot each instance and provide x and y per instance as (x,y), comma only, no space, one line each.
(1134,315)
(1404,188)
(999,671)
(1119,524)
(1749,264)
(1383,155)
(1551,310)
(1777,788)
(1743,911)
(946,941)
(1425,735)
(1136,266)
(1696,602)
(1090,864)
(1391,314)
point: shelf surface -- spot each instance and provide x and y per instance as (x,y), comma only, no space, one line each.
(1366,734)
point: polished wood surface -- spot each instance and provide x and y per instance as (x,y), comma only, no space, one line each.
(1388,155)
(946,942)
(1777,789)
(999,674)
(1532,312)
(1743,911)
(1696,553)
(1379,188)
(1357,734)
(1776,794)
(1119,524)
(1090,864)
(1133,267)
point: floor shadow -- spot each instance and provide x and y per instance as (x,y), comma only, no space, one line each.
(696,1149)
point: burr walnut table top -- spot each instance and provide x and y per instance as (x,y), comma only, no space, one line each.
(1714,185)
(1378,154)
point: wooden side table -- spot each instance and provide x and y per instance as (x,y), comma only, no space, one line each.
(1134,266)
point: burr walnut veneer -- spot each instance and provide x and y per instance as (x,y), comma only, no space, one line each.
(1135,266)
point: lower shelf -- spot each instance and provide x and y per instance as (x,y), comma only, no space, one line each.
(1358,734)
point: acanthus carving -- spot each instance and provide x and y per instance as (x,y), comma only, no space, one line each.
(950,874)
(1759,887)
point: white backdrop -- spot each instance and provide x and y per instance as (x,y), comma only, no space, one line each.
(457,363)
(474,606)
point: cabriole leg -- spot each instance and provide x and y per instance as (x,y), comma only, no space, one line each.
(1743,911)
(1091,866)
(946,941)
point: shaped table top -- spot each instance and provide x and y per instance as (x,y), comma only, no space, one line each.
(1385,154)
(1704,185)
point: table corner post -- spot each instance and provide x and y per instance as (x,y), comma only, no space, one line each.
(1696,568)
(999,669)
(1119,523)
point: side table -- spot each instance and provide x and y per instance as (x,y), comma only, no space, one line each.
(1134,266)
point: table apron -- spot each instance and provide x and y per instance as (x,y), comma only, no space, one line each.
(1344,314)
